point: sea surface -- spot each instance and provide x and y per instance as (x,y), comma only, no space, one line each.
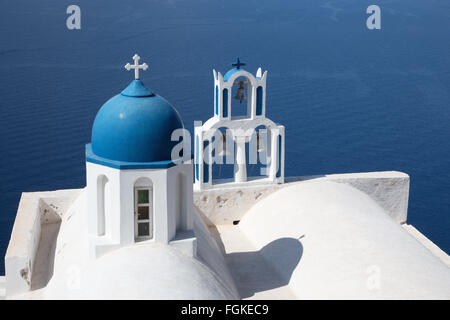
(351,99)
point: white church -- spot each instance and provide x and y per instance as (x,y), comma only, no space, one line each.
(151,225)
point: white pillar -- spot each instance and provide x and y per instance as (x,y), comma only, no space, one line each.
(210,161)
(200,160)
(273,154)
(252,101)
(282,149)
(240,167)
(198,155)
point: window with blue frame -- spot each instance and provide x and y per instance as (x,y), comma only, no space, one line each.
(225,103)
(259,101)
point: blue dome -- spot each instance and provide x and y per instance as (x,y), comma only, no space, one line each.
(135,126)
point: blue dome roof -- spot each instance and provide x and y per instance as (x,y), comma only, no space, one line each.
(134,126)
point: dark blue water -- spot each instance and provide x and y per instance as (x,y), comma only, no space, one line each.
(351,99)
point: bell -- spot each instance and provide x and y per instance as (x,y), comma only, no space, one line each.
(260,143)
(240,95)
(224,144)
(223,152)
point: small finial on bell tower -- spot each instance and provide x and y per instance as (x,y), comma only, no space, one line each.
(238,64)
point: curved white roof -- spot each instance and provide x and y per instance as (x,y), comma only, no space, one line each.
(146,271)
(329,240)
(314,239)
(140,272)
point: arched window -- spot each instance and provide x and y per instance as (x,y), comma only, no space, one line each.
(205,163)
(197,160)
(222,164)
(279,157)
(102,203)
(225,103)
(217,100)
(259,147)
(181,201)
(241,96)
(259,101)
(143,209)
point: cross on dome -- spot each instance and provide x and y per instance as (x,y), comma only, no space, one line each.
(238,64)
(136,66)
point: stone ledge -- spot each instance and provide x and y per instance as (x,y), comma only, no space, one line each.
(36,209)
(427,243)
(2,288)
(389,189)
(224,206)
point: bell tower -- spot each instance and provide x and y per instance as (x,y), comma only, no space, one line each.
(245,132)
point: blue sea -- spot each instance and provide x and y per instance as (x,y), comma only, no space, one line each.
(352,99)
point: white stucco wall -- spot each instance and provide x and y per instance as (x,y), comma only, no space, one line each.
(35,209)
(21,252)
(143,271)
(225,205)
(120,222)
(2,287)
(346,237)
(210,252)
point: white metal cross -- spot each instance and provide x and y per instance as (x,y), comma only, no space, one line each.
(136,66)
